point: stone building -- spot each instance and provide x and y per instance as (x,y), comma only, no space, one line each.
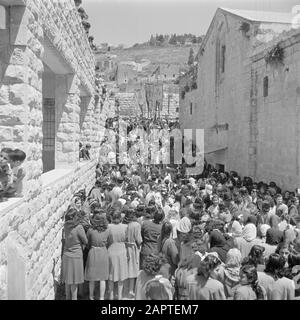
(165,72)
(127,105)
(246,95)
(47,105)
(126,73)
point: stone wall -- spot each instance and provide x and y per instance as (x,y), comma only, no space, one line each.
(277,117)
(246,132)
(35,229)
(44,40)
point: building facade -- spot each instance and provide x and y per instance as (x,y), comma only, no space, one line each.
(47,105)
(247,102)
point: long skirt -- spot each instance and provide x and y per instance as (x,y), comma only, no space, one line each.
(97,265)
(118,267)
(72,270)
(133,258)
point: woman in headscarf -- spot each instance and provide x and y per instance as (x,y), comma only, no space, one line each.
(219,244)
(202,286)
(274,236)
(173,217)
(269,249)
(249,289)
(235,229)
(133,244)
(229,274)
(184,238)
(97,266)
(248,239)
(72,260)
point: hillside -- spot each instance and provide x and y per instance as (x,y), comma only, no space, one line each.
(157,55)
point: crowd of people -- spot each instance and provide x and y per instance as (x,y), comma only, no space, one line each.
(12,173)
(151,232)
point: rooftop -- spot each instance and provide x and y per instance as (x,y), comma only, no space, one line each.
(263,16)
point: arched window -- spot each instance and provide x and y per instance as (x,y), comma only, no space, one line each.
(2,18)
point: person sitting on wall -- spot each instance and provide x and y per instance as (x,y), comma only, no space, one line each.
(84,152)
(15,186)
(5,171)
(80,151)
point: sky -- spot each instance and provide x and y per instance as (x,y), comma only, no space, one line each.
(133,21)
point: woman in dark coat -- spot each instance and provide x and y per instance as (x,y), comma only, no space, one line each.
(274,236)
(97,265)
(72,260)
(150,232)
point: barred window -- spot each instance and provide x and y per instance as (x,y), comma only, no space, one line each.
(266,86)
(223,51)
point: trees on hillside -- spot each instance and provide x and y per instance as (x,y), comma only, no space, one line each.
(173,39)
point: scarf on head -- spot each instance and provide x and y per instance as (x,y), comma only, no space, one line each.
(289,235)
(233,264)
(249,232)
(263,229)
(236,229)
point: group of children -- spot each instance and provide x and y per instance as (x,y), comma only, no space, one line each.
(11,173)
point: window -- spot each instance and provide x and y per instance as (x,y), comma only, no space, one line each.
(191,108)
(266,86)
(48,134)
(223,50)
(2,18)
(173,75)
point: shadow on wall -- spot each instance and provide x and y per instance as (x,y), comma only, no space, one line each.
(84,103)
(10,73)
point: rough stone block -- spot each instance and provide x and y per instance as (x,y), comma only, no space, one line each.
(6,133)
(25,230)
(16,74)
(19,133)
(62,137)
(4,95)
(13,115)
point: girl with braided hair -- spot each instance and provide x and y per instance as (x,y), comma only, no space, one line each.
(249,289)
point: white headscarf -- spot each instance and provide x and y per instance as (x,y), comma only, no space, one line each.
(249,232)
